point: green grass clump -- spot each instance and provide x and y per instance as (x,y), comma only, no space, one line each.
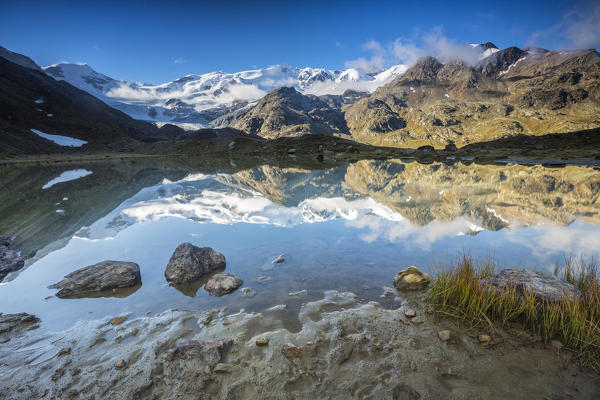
(463,292)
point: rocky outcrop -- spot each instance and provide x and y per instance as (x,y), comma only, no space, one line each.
(411,279)
(189,263)
(10,260)
(543,286)
(286,112)
(222,284)
(98,278)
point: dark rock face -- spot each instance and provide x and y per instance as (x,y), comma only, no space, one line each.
(13,324)
(222,284)
(97,278)
(544,286)
(286,112)
(500,61)
(10,260)
(188,263)
(424,71)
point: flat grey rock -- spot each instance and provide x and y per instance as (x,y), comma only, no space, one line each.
(94,279)
(543,285)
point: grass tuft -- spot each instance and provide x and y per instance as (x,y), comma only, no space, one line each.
(463,292)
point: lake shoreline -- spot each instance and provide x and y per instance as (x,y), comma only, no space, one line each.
(343,349)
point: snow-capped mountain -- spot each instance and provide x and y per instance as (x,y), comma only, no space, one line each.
(199,99)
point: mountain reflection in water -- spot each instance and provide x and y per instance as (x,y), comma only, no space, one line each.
(348,228)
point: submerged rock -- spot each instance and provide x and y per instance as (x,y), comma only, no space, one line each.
(291,352)
(222,284)
(411,279)
(14,324)
(94,279)
(118,320)
(209,351)
(278,260)
(10,260)
(189,263)
(444,335)
(542,285)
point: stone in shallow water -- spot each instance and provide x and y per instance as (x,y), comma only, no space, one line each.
(189,263)
(410,313)
(97,278)
(278,260)
(484,338)
(411,279)
(543,285)
(292,352)
(118,320)
(14,324)
(209,351)
(222,284)
(444,335)
(64,351)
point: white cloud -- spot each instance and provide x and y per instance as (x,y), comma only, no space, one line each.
(583,30)
(577,30)
(179,60)
(408,50)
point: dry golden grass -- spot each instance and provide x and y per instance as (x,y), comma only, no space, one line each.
(462,292)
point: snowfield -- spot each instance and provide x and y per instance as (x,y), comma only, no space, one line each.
(60,140)
(195,99)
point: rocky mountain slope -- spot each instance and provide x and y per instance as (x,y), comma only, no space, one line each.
(39,114)
(510,92)
(196,100)
(287,112)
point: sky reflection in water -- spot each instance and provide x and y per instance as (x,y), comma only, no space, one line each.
(333,237)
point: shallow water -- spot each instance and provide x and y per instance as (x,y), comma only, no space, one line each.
(349,228)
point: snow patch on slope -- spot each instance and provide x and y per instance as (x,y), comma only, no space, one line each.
(60,140)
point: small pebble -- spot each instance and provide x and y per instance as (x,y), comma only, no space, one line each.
(64,351)
(118,320)
(263,341)
(120,364)
(410,313)
(444,335)
(485,338)
(221,368)
(278,260)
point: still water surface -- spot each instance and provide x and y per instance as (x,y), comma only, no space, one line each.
(349,228)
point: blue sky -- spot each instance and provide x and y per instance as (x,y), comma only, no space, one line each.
(157,41)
